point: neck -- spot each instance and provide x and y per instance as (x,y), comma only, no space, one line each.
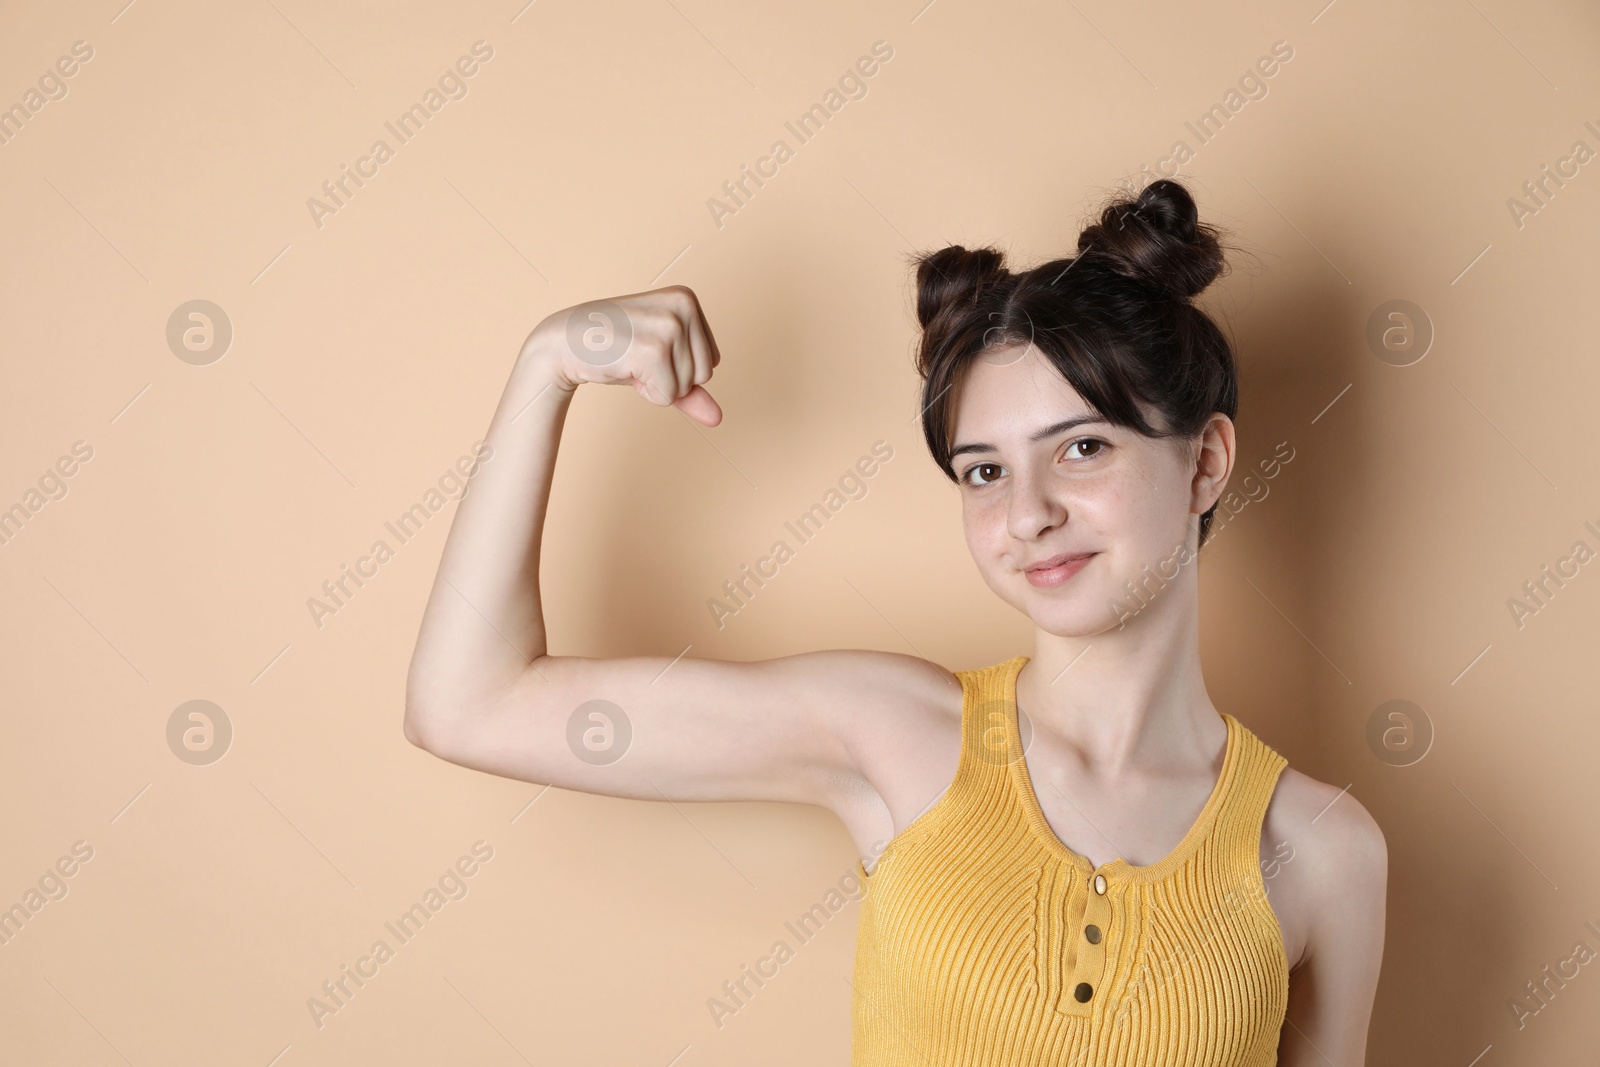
(1127,698)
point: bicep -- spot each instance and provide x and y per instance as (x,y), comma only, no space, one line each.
(1331,994)
(658,728)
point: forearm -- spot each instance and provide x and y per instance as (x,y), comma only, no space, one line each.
(484,625)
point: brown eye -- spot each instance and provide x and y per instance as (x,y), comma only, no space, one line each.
(1100,446)
(967,477)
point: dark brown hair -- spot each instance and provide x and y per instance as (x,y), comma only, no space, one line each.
(1115,320)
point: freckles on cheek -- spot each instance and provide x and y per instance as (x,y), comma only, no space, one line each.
(1104,507)
(1121,502)
(985,531)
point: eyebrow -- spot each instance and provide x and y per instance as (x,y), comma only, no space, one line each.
(1039,435)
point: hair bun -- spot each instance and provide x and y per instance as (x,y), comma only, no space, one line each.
(953,276)
(1157,240)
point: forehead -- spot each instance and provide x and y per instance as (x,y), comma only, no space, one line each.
(1010,391)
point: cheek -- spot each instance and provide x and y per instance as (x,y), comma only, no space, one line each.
(1150,524)
(985,530)
(1109,508)
(1132,521)
(1143,489)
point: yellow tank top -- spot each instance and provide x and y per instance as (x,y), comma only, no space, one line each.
(985,942)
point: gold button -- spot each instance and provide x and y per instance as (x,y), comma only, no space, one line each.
(1100,884)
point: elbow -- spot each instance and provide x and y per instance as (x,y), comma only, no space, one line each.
(416,732)
(424,711)
(423,725)
(437,732)
(413,731)
(441,720)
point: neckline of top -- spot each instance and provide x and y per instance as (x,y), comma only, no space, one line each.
(1119,867)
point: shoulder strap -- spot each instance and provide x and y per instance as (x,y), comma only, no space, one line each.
(1243,812)
(983,762)
(993,736)
(987,746)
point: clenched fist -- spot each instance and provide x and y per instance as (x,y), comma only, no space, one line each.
(657,341)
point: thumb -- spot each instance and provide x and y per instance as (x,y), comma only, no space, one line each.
(699,406)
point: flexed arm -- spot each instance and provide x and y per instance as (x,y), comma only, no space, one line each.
(483,628)
(483,691)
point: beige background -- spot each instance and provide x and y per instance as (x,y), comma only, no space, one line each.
(368,354)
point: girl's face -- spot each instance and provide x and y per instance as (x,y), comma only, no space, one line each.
(1041,476)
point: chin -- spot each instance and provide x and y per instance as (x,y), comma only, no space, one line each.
(1080,613)
(1075,623)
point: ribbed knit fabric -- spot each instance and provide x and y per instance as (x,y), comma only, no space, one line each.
(983,941)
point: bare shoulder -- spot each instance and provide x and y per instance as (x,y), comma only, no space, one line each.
(1327,827)
(892,679)
(1328,866)
(1330,893)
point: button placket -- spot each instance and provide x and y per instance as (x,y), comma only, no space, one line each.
(1083,962)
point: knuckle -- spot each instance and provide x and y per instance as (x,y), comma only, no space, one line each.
(687,304)
(658,325)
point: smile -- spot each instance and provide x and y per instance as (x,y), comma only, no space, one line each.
(1056,569)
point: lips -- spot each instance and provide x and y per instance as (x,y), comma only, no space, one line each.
(1056,561)
(1056,571)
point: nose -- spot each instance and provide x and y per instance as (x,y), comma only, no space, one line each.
(1033,508)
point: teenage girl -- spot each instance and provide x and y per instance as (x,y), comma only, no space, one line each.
(1076,858)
